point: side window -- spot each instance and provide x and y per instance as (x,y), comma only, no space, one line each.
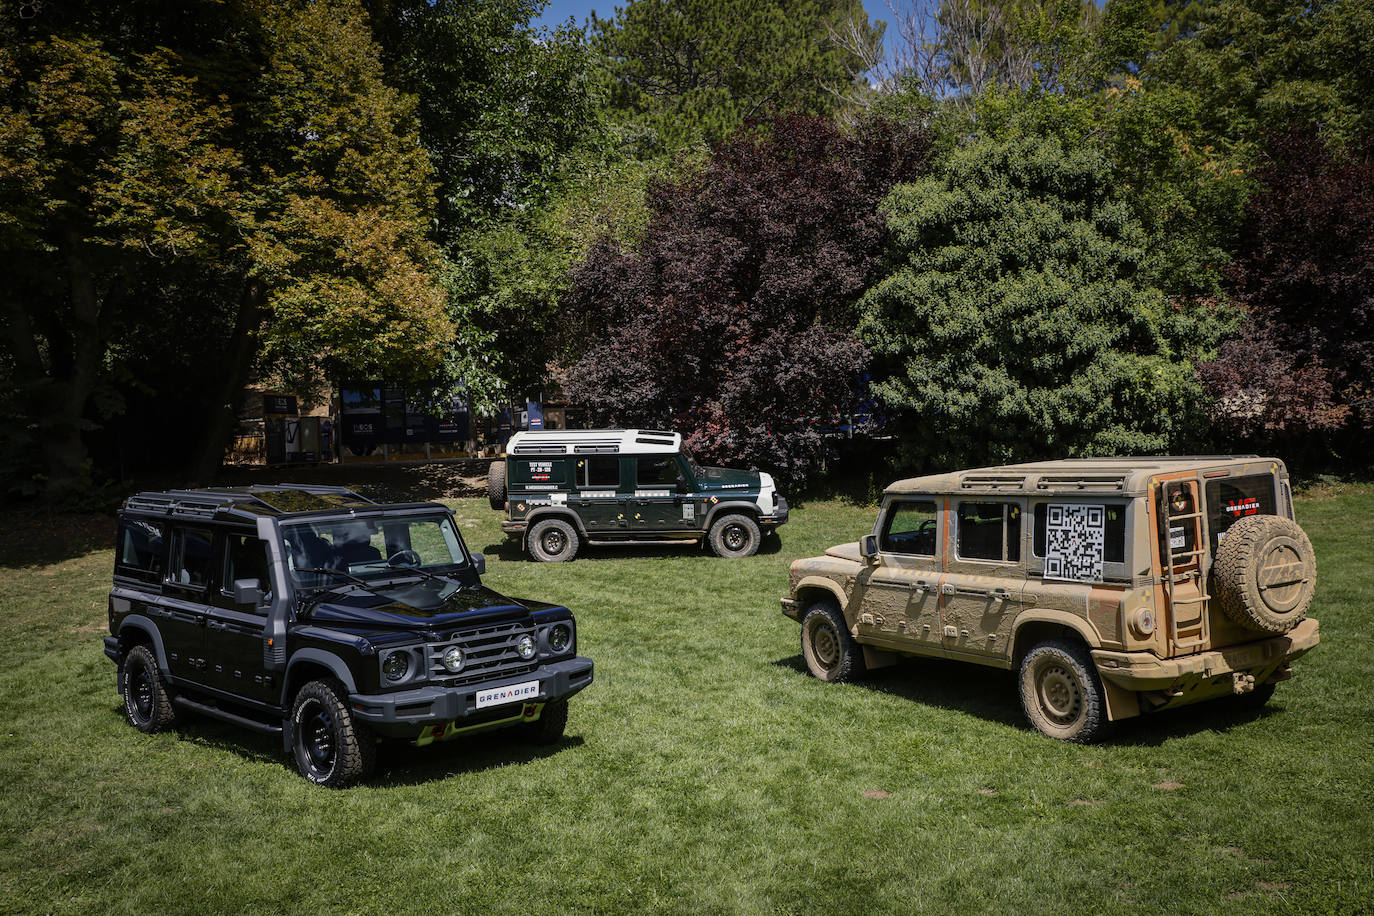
(599,471)
(990,531)
(910,528)
(142,549)
(656,471)
(245,557)
(1236,497)
(1076,539)
(191,558)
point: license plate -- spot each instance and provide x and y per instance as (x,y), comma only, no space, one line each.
(515,693)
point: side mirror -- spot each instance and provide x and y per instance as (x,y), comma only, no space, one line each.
(248,591)
(868,546)
(479,564)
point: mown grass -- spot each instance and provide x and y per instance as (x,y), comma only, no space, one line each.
(704,771)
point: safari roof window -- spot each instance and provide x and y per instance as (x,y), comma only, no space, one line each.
(1233,498)
(540,471)
(597,471)
(990,531)
(1076,540)
(910,528)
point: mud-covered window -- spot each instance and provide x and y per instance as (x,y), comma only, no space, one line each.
(1233,498)
(656,471)
(142,551)
(990,531)
(910,528)
(191,557)
(540,471)
(599,472)
(1076,539)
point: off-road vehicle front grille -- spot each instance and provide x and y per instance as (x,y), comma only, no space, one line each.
(488,653)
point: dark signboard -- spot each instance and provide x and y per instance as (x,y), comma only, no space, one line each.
(279,404)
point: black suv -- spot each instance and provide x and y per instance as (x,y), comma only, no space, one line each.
(316,614)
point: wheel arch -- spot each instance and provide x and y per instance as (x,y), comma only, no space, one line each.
(1035,627)
(136,629)
(310,665)
(539,515)
(738,507)
(818,588)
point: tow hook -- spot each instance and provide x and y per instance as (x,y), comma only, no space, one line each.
(1242,682)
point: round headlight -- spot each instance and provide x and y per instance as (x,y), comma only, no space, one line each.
(560,637)
(395,665)
(1143,621)
(525,646)
(453,659)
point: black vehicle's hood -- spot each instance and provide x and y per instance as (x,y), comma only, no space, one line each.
(423,604)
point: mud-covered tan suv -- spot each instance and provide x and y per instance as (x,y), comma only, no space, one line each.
(1114,587)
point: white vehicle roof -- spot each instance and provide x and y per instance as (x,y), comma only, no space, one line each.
(593,442)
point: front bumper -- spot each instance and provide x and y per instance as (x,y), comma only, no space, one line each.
(779,516)
(1143,671)
(406,712)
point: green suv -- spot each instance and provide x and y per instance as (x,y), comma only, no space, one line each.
(564,488)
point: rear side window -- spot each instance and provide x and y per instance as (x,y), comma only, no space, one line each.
(1233,498)
(191,557)
(142,549)
(990,531)
(599,472)
(540,471)
(1076,539)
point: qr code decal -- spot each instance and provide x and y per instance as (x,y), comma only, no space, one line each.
(1074,538)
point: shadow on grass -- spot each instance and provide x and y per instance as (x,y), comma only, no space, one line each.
(992,694)
(398,763)
(509,549)
(41,538)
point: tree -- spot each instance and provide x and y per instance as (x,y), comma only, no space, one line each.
(257,190)
(1301,366)
(1012,323)
(730,320)
(687,70)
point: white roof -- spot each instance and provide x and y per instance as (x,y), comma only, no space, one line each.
(593,442)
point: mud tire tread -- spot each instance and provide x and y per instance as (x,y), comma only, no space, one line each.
(1092,725)
(355,749)
(1235,573)
(849,665)
(496,483)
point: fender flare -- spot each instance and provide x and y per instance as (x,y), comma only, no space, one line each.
(146,625)
(750,508)
(1085,630)
(827,585)
(320,657)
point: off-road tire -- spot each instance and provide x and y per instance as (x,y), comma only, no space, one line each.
(147,701)
(330,748)
(1265,573)
(553,719)
(1061,692)
(553,541)
(496,483)
(734,536)
(830,652)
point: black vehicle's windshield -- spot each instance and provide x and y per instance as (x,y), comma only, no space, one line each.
(692,463)
(370,549)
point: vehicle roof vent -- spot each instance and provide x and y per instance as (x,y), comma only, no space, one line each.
(1099,483)
(598,448)
(993,481)
(540,449)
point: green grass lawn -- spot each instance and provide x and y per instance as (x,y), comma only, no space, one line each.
(704,771)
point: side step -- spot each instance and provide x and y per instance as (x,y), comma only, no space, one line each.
(215,712)
(633,542)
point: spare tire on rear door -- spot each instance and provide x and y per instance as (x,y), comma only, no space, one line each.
(496,483)
(1265,573)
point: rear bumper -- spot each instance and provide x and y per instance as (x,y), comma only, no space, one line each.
(403,714)
(1144,671)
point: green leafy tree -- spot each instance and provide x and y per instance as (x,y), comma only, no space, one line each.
(686,70)
(1013,323)
(257,190)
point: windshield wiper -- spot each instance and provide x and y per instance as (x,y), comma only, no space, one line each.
(424,572)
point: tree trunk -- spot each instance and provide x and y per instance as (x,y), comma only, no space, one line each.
(238,358)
